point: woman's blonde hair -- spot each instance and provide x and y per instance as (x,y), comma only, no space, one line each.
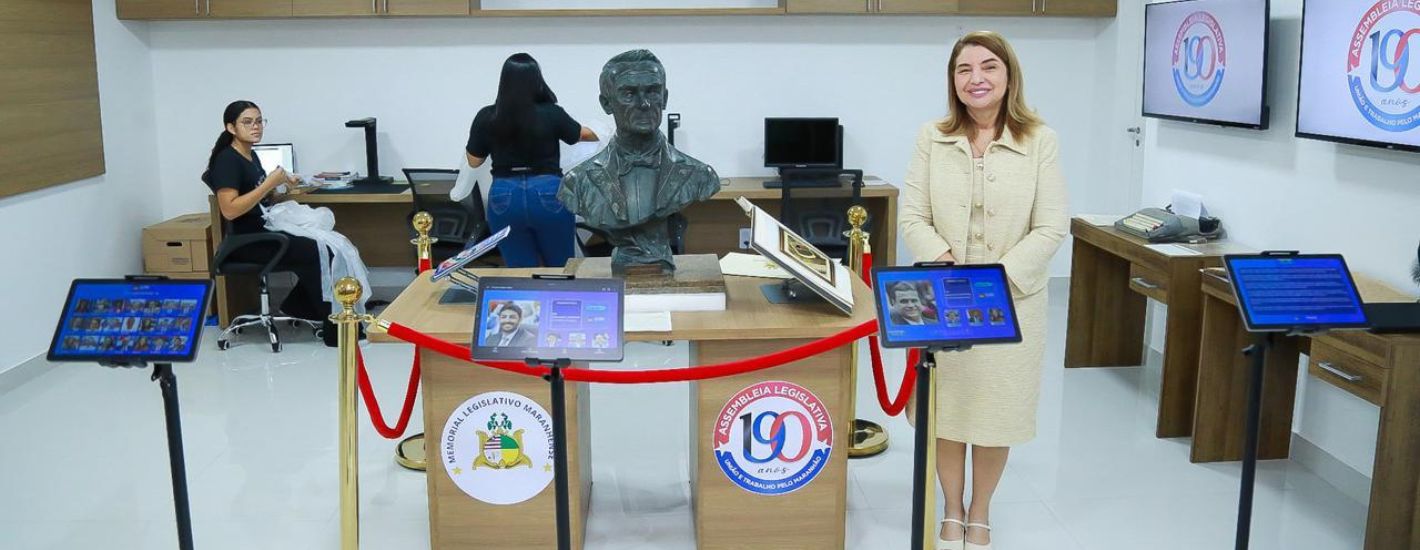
(1014,113)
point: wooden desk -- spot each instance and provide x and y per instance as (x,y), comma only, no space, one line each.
(725,515)
(1110,276)
(1381,369)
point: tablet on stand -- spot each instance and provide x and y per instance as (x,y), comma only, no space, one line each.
(465,283)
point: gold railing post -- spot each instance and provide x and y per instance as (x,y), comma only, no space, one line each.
(410,451)
(869,439)
(347,291)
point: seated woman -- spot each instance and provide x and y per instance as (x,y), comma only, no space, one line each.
(236,177)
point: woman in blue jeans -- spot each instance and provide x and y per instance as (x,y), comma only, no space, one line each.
(520,130)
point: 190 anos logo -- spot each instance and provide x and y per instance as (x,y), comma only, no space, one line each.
(1378,65)
(773,438)
(1200,59)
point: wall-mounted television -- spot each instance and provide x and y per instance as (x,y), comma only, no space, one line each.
(1360,83)
(1205,61)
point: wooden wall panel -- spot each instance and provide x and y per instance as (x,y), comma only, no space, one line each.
(50,131)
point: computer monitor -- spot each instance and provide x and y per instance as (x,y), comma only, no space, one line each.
(547,319)
(949,306)
(1303,292)
(276,154)
(803,143)
(123,321)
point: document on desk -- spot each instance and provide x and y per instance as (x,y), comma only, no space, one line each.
(1173,250)
(752,265)
(1103,220)
(657,321)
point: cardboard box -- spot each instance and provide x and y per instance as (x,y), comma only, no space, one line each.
(180,245)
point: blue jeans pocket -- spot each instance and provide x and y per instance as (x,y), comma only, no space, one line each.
(500,198)
(546,189)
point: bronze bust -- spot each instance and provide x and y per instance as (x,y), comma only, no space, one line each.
(632,188)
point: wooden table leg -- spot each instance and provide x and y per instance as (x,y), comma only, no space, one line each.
(1221,403)
(1106,320)
(1181,344)
(1394,521)
(729,517)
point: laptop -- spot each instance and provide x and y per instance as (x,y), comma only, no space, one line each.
(276,154)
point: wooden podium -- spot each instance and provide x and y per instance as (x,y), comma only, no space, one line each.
(726,516)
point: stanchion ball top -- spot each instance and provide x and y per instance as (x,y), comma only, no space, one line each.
(857,216)
(347,291)
(423,222)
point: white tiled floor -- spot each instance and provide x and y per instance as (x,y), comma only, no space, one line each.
(84,465)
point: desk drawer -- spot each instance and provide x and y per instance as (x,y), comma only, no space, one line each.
(1349,372)
(1148,282)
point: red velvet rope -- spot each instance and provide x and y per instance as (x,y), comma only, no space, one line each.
(892,407)
(687,374)
(367,391)
(373,405)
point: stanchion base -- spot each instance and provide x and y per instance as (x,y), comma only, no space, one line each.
(410,453)
(869,439)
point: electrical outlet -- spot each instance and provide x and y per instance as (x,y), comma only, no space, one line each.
(744,238)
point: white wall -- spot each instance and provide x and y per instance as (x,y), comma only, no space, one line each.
(424,80)
(1274,191)
(88,228)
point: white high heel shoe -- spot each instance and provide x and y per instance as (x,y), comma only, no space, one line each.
(970,546)
(943,544)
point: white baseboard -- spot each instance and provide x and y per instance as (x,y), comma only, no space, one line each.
(22,373)
(1332,470)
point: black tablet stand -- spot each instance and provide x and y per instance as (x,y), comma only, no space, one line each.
(163,375)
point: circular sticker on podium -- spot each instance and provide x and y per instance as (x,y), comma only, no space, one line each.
(497,447)
(773,438)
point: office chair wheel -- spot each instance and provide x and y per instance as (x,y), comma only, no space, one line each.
(223,345)
(276,347)
(239,330)
(319,333)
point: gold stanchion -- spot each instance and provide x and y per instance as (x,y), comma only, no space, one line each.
(348,291)
(869,439)
(410,451)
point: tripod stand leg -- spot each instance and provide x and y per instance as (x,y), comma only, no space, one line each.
(163,374)
(1258,353)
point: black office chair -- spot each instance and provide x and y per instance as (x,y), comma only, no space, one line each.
(270,245)
(456,223)
(820,214)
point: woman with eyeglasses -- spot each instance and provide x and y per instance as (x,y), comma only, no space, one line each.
(241,184)
(520,130)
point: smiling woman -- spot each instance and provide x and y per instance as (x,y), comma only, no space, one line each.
(984,187)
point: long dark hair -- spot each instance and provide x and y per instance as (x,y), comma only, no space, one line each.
(520,89)
(233,111)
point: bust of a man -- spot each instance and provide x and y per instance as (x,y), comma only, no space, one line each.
(633,186)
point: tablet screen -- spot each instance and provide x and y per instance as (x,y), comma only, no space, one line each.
(1313,291)
(121,321)
(944,306)
(549,319)
(473,252)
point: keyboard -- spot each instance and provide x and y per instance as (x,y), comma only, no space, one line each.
(805,183)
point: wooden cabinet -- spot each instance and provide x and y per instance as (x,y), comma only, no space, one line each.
(334,8)
(827,6)
(1077,8)
(234,9)
(159,9)
(998,7)
(427,7)
(198,9)
(359,8)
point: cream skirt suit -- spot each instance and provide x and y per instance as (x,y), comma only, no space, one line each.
(1008,207)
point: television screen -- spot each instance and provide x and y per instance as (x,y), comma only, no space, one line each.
(1206,61)
(945,306)
(801,143)
(1359,84)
